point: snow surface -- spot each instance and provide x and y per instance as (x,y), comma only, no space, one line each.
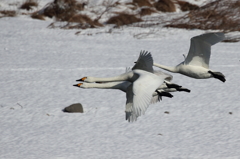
(38,67)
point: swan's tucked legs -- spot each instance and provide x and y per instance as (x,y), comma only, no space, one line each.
(183,89)
(172,85)
(166,94)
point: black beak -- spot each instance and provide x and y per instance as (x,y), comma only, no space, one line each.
(76,85)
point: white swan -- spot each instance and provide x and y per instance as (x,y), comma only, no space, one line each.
(123,86)
(196,64)
(139,92)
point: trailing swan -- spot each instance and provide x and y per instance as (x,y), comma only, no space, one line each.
(196,64)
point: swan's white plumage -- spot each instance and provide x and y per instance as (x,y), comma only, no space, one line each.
(143,84)
(200,49)
(143,88)
(196,64)
(140,85)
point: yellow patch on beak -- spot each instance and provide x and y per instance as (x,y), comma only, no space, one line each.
(84,78)
(79,84)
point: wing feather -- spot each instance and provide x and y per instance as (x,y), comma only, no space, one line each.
(144,62)
(200,49)
(143,89)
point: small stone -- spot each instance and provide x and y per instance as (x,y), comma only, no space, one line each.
(74,108)
(166,112)
(230,112)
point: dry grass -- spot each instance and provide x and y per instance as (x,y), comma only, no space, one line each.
(186,6)
(142,3)
(8,13)
(220,15)
(123,19)
(165,6)
(35,15)
(79,21)
(29,4)
(81,18)
(146,11)
(231,40)
(63,10)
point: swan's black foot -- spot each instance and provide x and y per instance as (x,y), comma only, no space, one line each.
(166,94)
(172,85)
(218,75)
(183,89)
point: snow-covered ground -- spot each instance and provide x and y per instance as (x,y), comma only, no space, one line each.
(38,67)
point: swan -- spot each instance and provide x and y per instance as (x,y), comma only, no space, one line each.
(196,64)
(140,87)
(125,83)
(123,86)
(143,84)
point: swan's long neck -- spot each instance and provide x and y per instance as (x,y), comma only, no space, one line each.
(109,85)
(123,77)
(168,68)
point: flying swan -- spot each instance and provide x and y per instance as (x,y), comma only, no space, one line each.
(139,84)
(125,82)
(196,64)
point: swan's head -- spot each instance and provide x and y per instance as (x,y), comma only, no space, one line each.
(78,85)
(86,79)
(82,85)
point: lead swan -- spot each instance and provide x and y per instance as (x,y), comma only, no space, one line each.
(140,85)
(196,64)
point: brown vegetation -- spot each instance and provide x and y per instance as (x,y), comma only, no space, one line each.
(7,13)
(142,3)
(147,11)
(219,15)
(123,19)
(35,15)
(67,10)
(29,4)
(84,19)
(63,10)
(79,21)
(186,6)
(165,6)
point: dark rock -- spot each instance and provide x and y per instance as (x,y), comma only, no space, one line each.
(74,108)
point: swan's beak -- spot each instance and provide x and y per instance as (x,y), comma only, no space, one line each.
(82,79)
(77,85)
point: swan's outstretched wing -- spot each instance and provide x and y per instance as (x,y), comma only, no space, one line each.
(143,89)
(200,49)
(160,73)
(144,62)
(130,115)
